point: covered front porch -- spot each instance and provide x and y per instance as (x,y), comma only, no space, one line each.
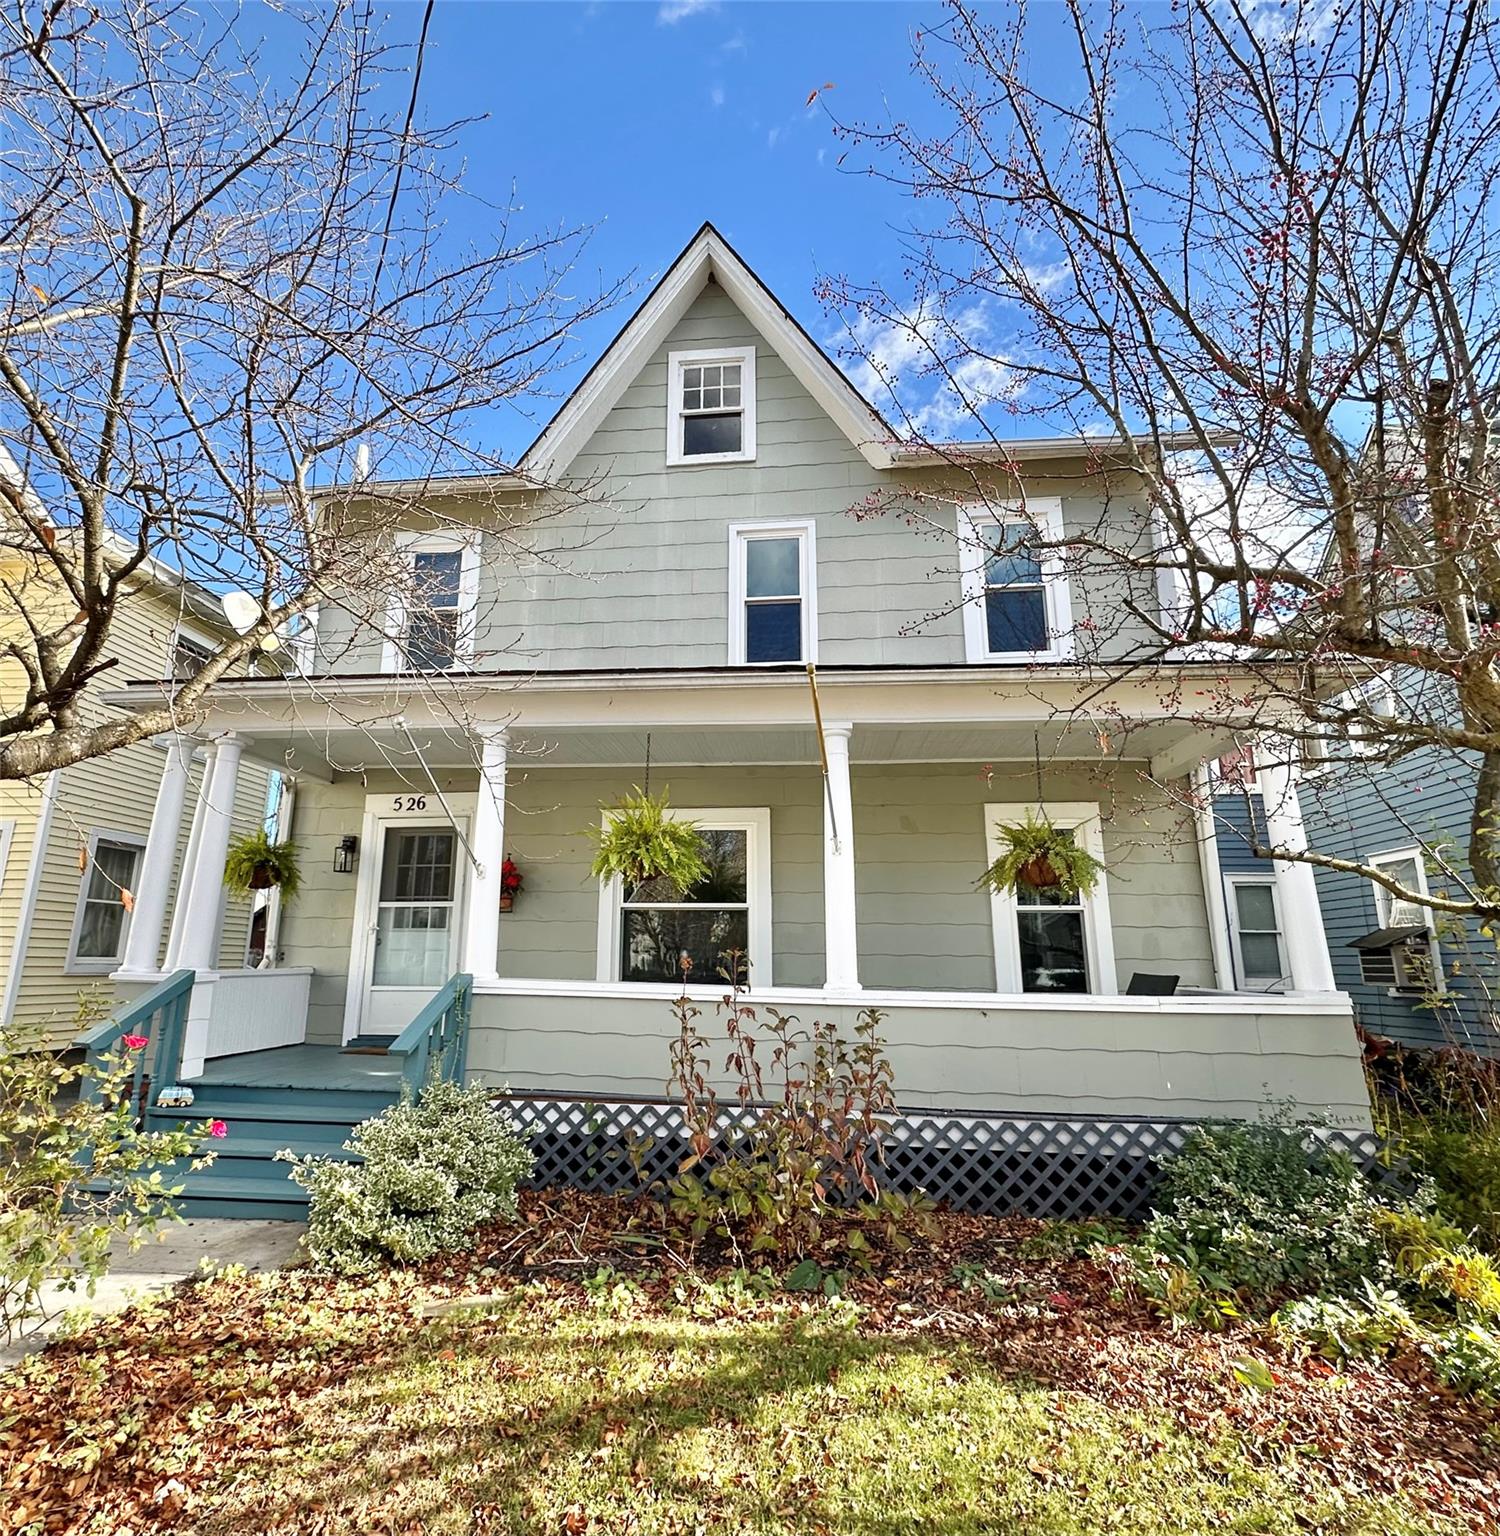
(852,856)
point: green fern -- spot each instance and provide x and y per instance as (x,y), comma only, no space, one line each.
(254,862)
(1033,839)
(641,840)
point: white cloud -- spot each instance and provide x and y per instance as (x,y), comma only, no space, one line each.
(773,137)
(670,12)
(716,95)
(932,375)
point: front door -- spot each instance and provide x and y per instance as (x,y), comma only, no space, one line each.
(416,919)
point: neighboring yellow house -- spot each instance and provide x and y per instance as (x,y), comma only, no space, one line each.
(72,842)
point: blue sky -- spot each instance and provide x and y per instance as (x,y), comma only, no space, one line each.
(647,119)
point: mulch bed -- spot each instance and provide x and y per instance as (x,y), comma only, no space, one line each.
(1368,1430)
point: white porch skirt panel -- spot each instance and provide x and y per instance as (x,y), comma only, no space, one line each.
(1182,1057)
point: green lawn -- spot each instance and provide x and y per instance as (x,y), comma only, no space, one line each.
(293,1404)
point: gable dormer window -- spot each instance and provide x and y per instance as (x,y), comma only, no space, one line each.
(711,406)
(430,621)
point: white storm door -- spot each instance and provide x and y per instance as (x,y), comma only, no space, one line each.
(412,890)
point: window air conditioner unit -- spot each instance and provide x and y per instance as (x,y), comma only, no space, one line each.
(1399,957)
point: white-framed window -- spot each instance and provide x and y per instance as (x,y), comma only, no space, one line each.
(711,406)
(645,933)
(773,598)
(1046,941)
(102,921)
(1255,932)
(431,619)
(1408,867)
(1331,742)
(1016,603)
(188,656)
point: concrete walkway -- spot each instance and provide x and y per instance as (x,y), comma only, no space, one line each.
(175,1255)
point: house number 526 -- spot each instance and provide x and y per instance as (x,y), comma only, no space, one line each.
(411,802)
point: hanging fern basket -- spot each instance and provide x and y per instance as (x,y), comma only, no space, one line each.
(640,840)
(255,863)
(1038,855)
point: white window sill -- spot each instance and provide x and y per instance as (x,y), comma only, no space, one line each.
(710,461)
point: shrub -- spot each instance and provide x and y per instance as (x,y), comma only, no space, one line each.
(431,1173)
(1439,1111)
(1467,1359)
(1258,1212)
(1340,1330)
(791,1164)
(78,1172)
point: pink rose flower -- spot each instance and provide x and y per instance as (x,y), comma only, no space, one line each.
(133,1042)
(217,1128)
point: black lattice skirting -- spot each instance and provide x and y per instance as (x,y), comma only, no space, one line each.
(1030,1165)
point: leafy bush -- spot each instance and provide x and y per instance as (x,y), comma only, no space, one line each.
(1340,1330)
(1257,1212)
(1467,1359)
(1439,1112)
(790,1166)
(78,1172)
(431,1173)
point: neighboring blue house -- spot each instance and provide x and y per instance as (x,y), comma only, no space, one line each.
(1383,815)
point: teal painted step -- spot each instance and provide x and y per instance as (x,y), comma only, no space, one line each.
(245,1180)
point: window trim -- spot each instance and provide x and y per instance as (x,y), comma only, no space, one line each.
(410,544)
(755,822)
(98,965)
(1418,855)
(740,535)
(1242,977)
(1082,818)
(676,362)
(1046,512)
(195,637)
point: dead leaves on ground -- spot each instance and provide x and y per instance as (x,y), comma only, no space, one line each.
(120,1429)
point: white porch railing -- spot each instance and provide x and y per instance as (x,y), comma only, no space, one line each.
(237,1011)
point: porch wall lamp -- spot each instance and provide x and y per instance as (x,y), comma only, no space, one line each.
(343,854)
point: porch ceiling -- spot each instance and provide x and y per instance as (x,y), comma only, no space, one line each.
(377,747)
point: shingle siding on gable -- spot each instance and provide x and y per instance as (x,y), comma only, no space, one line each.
(644,582)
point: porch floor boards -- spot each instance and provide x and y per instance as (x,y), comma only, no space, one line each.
(302,1066)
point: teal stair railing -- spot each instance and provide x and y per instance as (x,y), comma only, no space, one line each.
(160,1016)
(436,1043)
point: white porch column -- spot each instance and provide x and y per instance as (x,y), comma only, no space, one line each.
(173,961)
(154,883)
(481,947)
(1207,828)
(1296,887)
(840,934)
(201,894)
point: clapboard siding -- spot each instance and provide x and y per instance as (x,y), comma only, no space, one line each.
(116,792)
(639,577)
(919,835)
(1151,1057)
(1357,813)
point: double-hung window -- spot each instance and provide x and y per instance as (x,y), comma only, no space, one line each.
(189,657)
(711,406)
(432,615)
(1046,939)
(1016,604)
(102,919)
(1255,932)
(1408,868)
(772,593)
(648,931)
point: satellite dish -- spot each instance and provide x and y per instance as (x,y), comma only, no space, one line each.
(243,613)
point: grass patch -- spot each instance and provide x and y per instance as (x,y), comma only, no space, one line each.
(521,1390)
